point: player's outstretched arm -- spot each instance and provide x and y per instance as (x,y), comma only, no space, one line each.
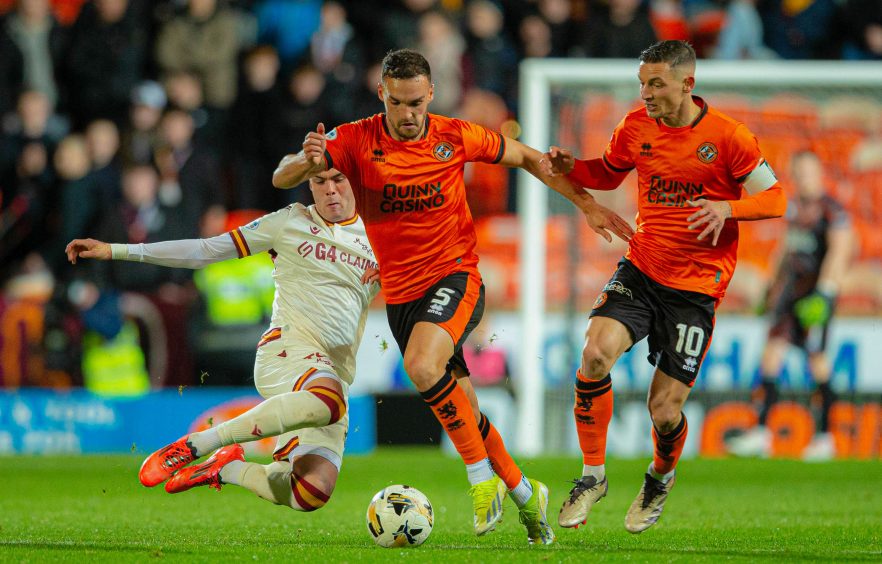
(87,248)
(601,219)
(297,168)
(184,253)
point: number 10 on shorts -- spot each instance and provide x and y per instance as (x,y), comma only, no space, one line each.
(690,339)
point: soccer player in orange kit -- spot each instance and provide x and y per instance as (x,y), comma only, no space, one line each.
(692,164)
(406,169)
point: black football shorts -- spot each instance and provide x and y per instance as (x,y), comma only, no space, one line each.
(455,303)
(679,323)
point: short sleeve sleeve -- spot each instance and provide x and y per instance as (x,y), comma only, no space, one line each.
(260,234)
(341,144)
(481,144)
(743,152)
(617,155)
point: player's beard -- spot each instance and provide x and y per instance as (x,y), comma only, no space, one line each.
(412,133)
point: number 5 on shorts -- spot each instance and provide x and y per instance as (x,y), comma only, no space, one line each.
(443,296)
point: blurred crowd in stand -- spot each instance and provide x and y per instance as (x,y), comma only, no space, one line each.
(147,120)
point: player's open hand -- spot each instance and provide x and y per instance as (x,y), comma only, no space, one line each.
(712,215)
(314,145)
(603,220)
(370,276)
(87,248)
(556,161)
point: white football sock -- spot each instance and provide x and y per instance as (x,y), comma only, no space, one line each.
(599,472)
(522,492)
(205,441)
(480,471)
(269,418)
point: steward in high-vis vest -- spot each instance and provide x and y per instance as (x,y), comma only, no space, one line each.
(237,292)
(115,367)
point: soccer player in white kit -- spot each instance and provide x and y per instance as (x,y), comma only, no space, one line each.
(325,277)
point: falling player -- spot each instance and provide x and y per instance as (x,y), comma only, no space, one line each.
(325,277)
(692,163)
(406,167)
(817,251)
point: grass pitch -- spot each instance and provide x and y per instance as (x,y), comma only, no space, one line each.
(92,508)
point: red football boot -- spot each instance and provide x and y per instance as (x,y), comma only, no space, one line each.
(206,473)
(162,464)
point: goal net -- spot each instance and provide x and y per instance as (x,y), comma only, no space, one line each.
(832,108)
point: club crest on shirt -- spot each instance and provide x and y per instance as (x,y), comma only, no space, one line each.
(601,299)
(443,151)
(707,152)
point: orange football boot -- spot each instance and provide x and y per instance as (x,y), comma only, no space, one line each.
(162,464)
(206,473)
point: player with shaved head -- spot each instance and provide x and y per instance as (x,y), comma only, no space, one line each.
(693,163)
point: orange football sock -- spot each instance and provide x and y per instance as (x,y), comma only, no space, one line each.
(451,406)
(593,411)
(503,464)
(669,446)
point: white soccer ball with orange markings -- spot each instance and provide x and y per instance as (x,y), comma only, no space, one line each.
(400,516)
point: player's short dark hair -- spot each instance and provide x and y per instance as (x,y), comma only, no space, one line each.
(405,63)
(673,51)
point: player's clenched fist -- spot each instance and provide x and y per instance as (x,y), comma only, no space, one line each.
(556,161)
(314,145)
(87,248)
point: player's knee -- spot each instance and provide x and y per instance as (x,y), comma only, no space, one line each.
(665,415)
(310,492)
(334,401)
(596,360)
(422,371)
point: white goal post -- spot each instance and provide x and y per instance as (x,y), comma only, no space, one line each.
(538,80)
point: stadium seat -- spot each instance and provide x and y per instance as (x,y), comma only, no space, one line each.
(850,112)
(789,113)
(867,155)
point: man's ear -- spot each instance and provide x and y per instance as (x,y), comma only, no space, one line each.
(688,84)
(380,91)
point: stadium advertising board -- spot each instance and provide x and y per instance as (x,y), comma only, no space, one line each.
(719,405)
(38,421)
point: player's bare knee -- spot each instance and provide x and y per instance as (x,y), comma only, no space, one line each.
(596,363)
(311,486)
(665,415)
(423,372)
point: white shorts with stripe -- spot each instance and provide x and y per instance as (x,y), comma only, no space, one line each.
(281,367)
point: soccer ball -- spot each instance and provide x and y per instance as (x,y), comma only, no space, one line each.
(400,516)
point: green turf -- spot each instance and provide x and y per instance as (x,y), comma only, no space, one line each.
(93,509)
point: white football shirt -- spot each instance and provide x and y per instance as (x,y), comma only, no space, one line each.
(319,299)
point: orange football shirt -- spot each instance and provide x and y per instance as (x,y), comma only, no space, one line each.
(707,159)
(411,196)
